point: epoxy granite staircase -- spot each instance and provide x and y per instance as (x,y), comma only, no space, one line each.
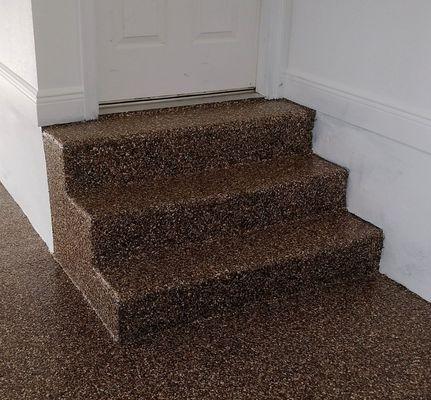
(167,216)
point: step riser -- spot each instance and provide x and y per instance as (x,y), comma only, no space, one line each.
(359,261)
(120,237)
(188,151)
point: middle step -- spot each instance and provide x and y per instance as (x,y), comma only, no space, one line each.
(172,211)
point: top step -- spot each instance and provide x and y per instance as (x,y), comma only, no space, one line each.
(131,146)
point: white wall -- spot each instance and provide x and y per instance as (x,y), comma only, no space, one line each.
(379,49)
(42,82)
(389,185)
(46,49)
(22,161)
(17,51)
(365,65)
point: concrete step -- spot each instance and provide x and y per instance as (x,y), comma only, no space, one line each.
(154,291)
(137,146)
(181,209)
(168,216)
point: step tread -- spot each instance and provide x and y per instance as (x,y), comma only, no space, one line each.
(205,186)
(153,122)
(222,258)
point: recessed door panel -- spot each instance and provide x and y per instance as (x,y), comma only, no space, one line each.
(142,22)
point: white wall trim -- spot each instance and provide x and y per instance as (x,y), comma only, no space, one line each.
(53,105)
(87,27)
(275,23)
(19,83)
(408,127)
(60,105)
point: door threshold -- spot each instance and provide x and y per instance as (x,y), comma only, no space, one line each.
(176,101)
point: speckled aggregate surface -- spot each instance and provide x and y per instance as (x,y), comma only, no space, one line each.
(164,217)
(212,203)
(364,340)
(177,119)
(208,278)
(180,140)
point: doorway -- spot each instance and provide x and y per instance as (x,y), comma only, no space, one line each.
(158,49)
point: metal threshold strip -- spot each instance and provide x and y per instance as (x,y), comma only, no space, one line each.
(176,101)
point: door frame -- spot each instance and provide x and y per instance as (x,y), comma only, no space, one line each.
(274,32)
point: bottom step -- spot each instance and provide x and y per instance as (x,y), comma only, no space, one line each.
(151,292)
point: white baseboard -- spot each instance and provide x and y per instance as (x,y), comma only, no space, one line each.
(53,105)
(60,105)
(407,127)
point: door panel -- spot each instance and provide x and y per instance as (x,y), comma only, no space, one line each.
(215,20)
(153,48)
(141,23)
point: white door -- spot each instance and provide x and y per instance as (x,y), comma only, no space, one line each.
(163,48)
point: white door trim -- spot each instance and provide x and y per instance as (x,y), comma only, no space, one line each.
(87,27)
(274,37)
(272,56)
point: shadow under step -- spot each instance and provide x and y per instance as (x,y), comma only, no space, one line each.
(189,208)
(154,291)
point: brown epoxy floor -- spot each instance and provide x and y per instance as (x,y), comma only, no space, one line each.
(363,341)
